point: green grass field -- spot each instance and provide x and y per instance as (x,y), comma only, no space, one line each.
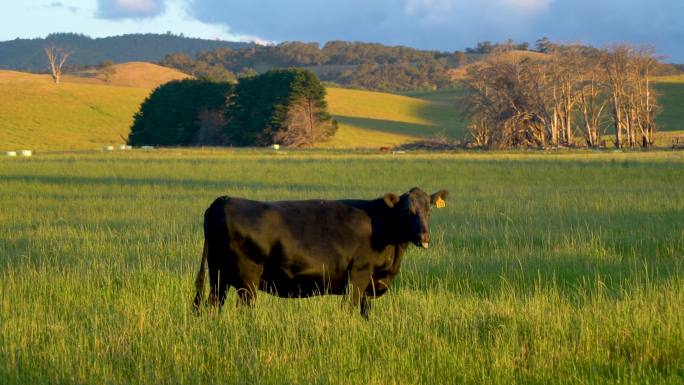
(544,269)
(40,115)
(373,119)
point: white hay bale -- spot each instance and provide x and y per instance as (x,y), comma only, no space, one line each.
(276,146)
(25,153)
(121,147)
(147,148)
(11,153)
(129,147)
(108,148)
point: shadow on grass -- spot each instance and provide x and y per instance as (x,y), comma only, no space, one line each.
(388,126)
(444,119)
(399,128)
(198,184)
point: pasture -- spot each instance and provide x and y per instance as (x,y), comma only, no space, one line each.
(544,268)
(86,113)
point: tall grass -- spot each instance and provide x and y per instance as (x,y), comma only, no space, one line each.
(544,269)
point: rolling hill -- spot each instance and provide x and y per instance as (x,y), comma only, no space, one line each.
(40,115)
(373,119)
(86,112)
(132,74)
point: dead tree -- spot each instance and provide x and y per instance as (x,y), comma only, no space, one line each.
(56,58)
(521,101)
(633,100)
(592,101)
(565,70)
(306,124)
(646,106)
(507,98)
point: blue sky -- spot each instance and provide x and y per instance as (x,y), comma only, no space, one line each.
(430,24)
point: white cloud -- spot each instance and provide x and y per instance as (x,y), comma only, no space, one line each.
(134,9)
(139,6)
(532,5)
(450,11)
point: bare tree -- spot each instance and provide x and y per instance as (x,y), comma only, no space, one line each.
(633,100)
(566,70)
(524,101)
(591,100)
(56,58)
(507,99)
(646,105)
(106,70)
(306,124)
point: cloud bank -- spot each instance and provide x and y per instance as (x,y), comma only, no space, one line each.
(453,24)
(129,9)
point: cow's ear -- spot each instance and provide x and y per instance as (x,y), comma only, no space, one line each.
(391,199)
(438,199)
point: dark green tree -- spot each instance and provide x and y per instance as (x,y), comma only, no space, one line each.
(182,113)
(280,106)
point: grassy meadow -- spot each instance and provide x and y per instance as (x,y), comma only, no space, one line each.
(86,113)
(40,115)
(544,269)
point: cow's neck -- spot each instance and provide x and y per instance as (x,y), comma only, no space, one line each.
(386,232)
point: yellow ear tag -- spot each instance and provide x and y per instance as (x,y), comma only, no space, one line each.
(440,203)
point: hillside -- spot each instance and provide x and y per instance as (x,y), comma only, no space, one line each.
(41,115)
(132,74)
(460,72)
(27,54)
(372,119)
(86,113)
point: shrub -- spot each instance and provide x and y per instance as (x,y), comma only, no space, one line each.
(280,106)
(182,113)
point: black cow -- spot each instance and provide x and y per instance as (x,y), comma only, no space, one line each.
(306,248)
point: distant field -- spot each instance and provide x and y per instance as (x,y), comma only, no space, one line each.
(40,115)
(132,74)
(544,269)
(671,117)
(43,116)
(371,119)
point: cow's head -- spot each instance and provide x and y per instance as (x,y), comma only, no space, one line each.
(412,213)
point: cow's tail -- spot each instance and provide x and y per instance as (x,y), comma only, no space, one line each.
(201,278)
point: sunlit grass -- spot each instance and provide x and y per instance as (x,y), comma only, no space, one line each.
(545,268)
(39,115)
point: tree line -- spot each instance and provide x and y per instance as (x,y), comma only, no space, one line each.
(26,54)
(571,96)
(350,64)
(285,106)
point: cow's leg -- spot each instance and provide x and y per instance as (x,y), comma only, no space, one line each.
(358,282)
(247,281)
(246,295)
(222,292)
(365,306)
(217,288)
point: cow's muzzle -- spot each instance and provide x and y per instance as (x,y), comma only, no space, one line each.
(424,241)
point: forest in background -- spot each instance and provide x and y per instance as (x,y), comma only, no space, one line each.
(359,65)
(27,54)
